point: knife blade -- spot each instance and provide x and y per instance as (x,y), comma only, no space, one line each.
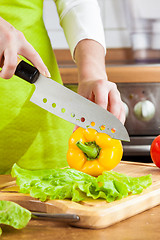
(69,105)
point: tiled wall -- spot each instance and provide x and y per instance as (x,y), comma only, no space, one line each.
(113,17)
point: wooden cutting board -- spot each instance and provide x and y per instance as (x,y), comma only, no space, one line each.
(93,214)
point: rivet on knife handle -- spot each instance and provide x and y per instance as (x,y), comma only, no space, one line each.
(26,71)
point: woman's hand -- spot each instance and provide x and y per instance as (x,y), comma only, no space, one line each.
(105,94)
(12,44)
(93,81)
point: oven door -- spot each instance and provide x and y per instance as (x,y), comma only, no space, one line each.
(142,118)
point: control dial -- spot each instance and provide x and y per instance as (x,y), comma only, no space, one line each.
(144,110)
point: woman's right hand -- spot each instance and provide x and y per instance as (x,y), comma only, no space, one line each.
(12,44)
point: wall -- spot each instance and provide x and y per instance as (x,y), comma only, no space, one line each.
(114,22)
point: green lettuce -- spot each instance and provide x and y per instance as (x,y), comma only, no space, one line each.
(14,215)
(71,184)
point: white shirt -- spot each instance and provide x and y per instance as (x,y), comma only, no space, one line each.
(80,19)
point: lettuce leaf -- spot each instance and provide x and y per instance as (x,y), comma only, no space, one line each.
(14,215)
(71,184)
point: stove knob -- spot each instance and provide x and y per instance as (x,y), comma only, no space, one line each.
(144,110)
(126,109)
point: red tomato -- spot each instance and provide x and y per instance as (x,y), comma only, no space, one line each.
(155,151)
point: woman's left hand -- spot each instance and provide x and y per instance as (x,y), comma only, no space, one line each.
(93,83)
(105,94)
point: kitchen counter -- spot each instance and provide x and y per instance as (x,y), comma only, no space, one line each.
(117,73)
(144,226)
(120,67)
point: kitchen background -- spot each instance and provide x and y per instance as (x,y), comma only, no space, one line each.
(132,32)
(115,17)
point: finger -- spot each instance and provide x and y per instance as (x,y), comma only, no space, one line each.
(114,102)
(30,53)
(122,116)
(92,97)
(9,63)
(101,95)
(84,91)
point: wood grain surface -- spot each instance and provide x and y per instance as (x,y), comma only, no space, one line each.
(117,74)
(144,226)
(96,214)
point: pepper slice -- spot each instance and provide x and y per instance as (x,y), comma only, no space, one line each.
(92,152)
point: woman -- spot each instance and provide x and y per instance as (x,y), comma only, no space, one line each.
(29,135)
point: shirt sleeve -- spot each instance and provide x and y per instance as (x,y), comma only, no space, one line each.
(80,19)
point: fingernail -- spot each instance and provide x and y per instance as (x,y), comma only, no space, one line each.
(47,74)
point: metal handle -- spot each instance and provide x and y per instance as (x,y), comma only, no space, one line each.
(26,71)
(137,149)
(56,217)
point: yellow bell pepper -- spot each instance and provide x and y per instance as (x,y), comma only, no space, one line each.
(92,152)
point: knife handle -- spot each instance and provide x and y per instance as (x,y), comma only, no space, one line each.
(26,71)
(56,217)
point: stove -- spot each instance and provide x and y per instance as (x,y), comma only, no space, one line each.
(142,109)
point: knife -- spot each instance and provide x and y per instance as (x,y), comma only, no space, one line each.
(58,217)
(69,105)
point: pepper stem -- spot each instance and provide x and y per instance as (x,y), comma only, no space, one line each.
(90,149)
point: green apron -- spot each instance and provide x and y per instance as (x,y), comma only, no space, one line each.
(29,135)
